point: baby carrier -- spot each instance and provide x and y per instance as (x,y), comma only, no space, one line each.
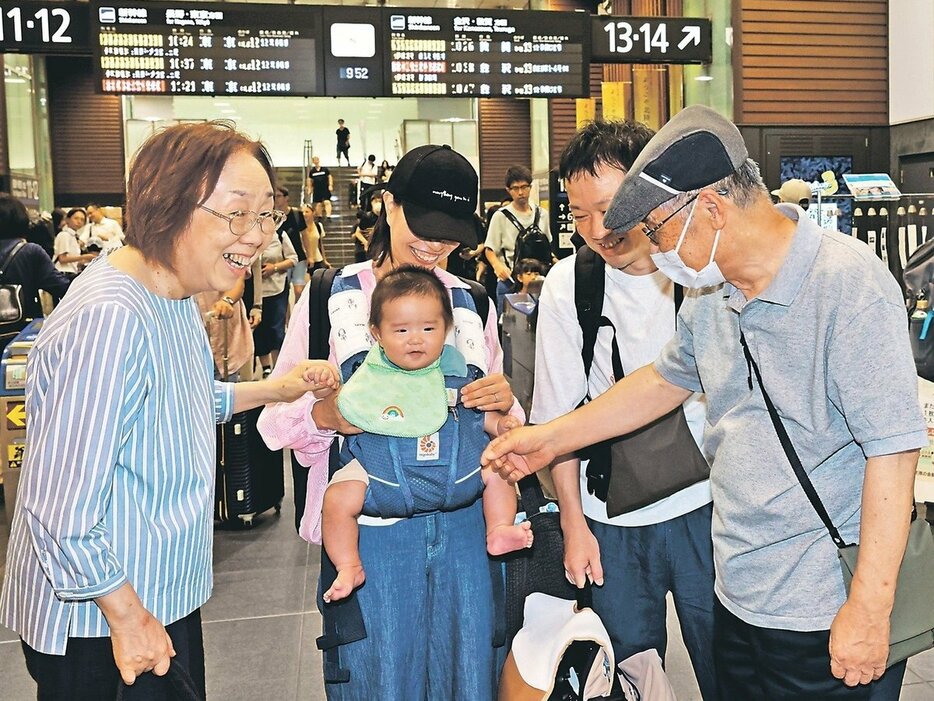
(422,467)
(336,300)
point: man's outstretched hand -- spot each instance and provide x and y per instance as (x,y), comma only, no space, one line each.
(520,452)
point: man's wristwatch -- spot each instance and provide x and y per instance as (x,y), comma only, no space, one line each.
(230,300)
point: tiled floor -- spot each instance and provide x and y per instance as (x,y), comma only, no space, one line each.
(261,623)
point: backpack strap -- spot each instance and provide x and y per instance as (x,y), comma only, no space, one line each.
(588,299)
(481,300)
(319,323)
(344,623)
(538,216)
(11,255)
(515,221)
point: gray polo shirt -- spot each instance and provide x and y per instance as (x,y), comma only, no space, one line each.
(830,337)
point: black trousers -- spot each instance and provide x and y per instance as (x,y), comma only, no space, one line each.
(778,665)
(87,672)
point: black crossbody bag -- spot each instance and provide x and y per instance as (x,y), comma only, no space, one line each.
(631,471)
(912,619)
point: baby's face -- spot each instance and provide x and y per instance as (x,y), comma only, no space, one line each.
(412,331)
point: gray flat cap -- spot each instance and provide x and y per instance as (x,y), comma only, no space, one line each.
(696,148)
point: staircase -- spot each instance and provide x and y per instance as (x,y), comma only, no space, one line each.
(338,246)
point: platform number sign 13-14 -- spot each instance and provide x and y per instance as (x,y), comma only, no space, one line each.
(651,40)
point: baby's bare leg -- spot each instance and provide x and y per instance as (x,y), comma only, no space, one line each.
(343,502)
(503,535)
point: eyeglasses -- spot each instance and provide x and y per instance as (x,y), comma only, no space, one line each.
(242,222)
(651,233)
(520,188)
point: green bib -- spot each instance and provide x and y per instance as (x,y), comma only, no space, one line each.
(382,398)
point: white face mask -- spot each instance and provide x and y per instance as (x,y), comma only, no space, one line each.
(674,268)
(377,207)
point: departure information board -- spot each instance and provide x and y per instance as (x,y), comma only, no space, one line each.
(207,49)
(486,53)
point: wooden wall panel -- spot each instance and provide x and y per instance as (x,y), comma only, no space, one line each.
(86,135)
(505,140)
(807,62)
(562,115)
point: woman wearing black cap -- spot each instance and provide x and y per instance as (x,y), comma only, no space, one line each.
(425,622)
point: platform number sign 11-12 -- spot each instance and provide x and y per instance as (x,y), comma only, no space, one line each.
(43,27)
(651,40)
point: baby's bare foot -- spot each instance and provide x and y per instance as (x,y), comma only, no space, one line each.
(506,539)
(347,580)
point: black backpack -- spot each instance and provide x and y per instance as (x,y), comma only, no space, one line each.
(531,242)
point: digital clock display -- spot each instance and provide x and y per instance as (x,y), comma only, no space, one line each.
(487,53)
(207,48)
(353,51)
(43,27)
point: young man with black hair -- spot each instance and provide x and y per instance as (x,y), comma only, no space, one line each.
(640,556)
(503,233)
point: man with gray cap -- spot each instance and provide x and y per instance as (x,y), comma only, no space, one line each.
(812,318)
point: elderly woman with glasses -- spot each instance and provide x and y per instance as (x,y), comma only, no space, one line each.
(110,551)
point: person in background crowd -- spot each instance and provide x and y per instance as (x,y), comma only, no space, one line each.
(502,234)
(366,220)
(449,596)
(229,331)
(68,256)
(30,266)
(41,231)
(343,142)
(368,172)
(110,548)
(101,232)
(320,185)
(295,227)
(277,259)
(527,271)
(806,316)
(314,240)
(640,557)
(385,170)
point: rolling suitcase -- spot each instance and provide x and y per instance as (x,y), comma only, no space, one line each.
(249,477)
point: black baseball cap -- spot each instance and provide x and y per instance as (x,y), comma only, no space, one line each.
(438,189)
(695,149)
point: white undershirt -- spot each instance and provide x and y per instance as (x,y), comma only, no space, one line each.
(641,308)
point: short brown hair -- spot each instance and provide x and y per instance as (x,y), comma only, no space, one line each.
(406,281)
(173,172)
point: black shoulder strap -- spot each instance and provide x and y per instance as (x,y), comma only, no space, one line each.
(515,222)
(319,323)
(789,449)
(588,299)
(481,300)
(538,216)
(11,255)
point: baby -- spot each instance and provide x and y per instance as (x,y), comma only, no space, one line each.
(405,397)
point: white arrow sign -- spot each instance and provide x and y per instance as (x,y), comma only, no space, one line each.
(691,35)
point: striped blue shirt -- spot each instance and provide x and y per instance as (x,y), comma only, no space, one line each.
(118,478)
